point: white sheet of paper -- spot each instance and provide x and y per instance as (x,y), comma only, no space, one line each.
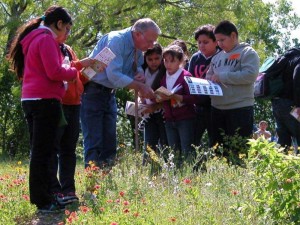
(105,56)
(130,109)
(198,86)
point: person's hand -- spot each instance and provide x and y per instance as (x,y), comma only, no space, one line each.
(97,65)
(146,92)
(298,111)
(215,78)
(140,77)
(86,62)
(162,97)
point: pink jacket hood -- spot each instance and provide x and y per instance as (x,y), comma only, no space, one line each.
(43,72)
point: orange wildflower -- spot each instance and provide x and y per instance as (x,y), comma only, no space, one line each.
(173,219)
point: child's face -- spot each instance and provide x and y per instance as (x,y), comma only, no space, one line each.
(206,45)
(263,126)
(225,42)
(171,64)
(153,61)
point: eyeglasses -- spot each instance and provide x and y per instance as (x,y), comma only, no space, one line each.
(148,41)
(68,31)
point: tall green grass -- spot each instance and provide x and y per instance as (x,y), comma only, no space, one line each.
(131,193)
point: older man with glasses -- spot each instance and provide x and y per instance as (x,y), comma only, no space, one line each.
(99,109)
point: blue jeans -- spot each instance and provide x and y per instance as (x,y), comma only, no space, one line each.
(286,125)
(180,136)
(65,160)
(230,122)
(155,132)
(42,117)
(98,121)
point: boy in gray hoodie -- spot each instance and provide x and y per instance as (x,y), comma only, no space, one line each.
(235,68)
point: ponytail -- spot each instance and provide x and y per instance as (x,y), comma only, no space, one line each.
(52,15)
(15,54)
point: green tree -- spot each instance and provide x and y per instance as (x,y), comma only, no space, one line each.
(177,18)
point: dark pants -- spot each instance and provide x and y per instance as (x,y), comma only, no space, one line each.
(65,160)
(203,123)
(286,125)
(155,132)
(230,122)
(43,117)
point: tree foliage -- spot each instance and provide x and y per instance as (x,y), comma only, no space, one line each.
(177,18)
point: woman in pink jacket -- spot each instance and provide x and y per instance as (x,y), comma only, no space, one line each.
(36,58)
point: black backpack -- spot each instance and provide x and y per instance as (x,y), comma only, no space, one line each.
(269,83)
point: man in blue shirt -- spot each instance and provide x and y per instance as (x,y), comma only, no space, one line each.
(99,109)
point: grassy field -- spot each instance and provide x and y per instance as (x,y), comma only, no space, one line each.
(134,194)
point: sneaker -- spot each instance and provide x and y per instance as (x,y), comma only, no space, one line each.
(51,208)
(66,199)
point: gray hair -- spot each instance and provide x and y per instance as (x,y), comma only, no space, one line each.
(142,25)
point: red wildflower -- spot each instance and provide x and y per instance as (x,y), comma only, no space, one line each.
(97,186)
(126,211)
(136,214)
(113,223)
(26,197)
(187,181)
(109,200)
(84,209)
(73,215)
(234,192)
(102,209)
(95,168)
(70,219)
(67,212)
(60,223)
(126,203)
(122,193)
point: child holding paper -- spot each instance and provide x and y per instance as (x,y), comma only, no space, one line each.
(198,67)
(235,68)
(154,124)
(179,108)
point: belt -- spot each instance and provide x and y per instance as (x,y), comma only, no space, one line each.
(101,87)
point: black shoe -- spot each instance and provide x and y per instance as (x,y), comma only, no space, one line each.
(51,208)
(66,199)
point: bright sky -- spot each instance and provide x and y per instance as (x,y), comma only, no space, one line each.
(296,6)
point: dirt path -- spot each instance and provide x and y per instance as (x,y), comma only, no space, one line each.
(47,219)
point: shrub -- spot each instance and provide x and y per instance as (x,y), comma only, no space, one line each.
(275,178)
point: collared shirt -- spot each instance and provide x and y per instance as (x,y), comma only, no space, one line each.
(150,77)
(119,73)
(171,79)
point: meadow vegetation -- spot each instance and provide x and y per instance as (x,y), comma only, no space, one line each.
(265,192)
